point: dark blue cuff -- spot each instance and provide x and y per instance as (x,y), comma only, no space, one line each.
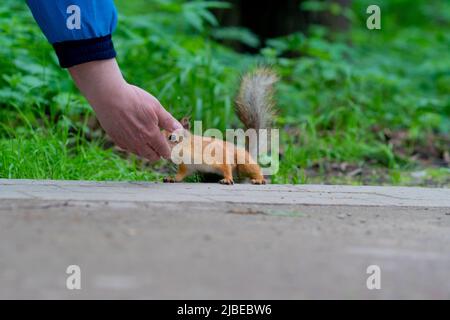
(72,53)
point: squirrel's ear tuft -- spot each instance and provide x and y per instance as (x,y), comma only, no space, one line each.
(186,123)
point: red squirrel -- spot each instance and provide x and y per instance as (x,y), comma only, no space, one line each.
(255,108)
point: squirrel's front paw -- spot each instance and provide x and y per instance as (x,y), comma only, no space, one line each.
(226,181)
(258,181)
(168,180)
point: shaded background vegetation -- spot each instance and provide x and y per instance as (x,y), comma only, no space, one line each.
(355,106)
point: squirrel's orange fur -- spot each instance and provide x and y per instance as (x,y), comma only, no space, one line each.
(254,107)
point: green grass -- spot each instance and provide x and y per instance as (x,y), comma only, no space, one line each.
(381,103)
(43,153)
(47,156)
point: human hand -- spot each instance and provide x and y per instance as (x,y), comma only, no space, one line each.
(134,121)
(130,116)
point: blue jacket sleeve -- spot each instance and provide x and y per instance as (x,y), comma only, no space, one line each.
(79,30)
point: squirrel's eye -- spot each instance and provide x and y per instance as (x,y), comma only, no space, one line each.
(173,138)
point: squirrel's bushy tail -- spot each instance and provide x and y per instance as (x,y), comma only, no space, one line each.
(255,102)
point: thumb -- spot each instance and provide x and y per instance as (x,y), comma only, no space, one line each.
(166,121)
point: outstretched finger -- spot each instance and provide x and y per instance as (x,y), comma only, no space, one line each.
(150,154)
(159,144)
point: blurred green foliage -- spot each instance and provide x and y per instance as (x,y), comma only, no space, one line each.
(378,99)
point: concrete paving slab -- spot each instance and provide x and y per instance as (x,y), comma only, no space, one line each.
(243,193)
(207,241)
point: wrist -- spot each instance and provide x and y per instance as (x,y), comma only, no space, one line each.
(101,82)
